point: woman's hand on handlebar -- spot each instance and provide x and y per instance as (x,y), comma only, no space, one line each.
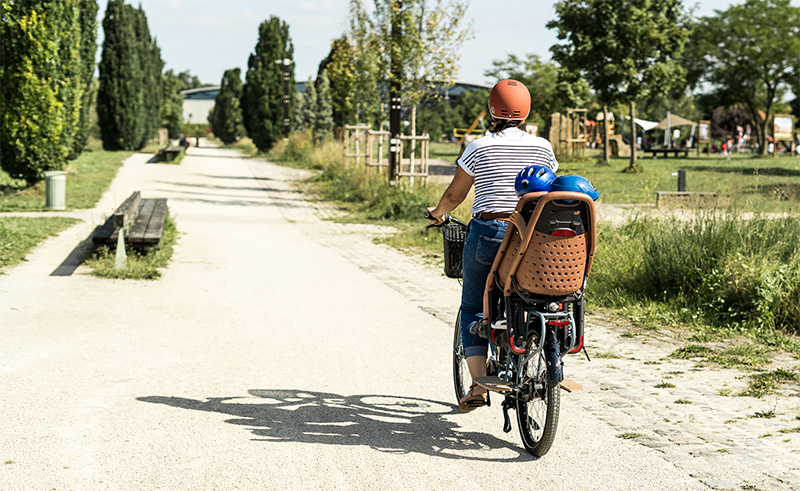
(434,217)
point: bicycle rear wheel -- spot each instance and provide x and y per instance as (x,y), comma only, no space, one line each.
(538,405)
(461,377)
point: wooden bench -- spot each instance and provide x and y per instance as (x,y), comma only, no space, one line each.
(665,151)
(142,222)
(169,154)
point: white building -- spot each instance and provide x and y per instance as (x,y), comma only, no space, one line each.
(197,103)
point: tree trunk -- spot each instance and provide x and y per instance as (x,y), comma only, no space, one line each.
(633,167)
(605,134)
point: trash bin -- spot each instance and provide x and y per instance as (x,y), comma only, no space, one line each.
(56,187)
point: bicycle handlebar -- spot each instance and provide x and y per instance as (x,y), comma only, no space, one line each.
(445,220)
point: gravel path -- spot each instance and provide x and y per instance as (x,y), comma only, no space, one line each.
(283,351)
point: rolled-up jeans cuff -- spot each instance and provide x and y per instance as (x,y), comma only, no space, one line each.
(475,351)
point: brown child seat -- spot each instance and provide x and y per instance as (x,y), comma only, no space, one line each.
(547,250)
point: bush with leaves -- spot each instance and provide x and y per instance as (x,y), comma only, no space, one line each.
(40,85)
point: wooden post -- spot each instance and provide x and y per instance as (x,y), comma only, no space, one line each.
(605,134)
(633,134)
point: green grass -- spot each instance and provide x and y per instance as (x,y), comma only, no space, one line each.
(88,177)
(18,236)
(444,151)
(609,354)
(753,180)
(629,436)
(665,385)
(139,266)
(737,273)
(765,383)
(741,355)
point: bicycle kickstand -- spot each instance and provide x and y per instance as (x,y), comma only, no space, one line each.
(506,418)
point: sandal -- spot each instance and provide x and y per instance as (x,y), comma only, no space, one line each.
(471,401)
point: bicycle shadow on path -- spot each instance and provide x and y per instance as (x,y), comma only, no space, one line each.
(385,423)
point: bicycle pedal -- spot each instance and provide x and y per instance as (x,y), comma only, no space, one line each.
(493,383)
(570,385)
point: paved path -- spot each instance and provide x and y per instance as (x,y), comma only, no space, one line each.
(282,351)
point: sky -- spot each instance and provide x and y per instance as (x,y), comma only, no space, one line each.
(208,37)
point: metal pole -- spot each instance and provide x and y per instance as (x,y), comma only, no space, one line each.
(395,97)
(286,62)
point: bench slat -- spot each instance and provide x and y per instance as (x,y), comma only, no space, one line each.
(127,210)
(155,229)
(137,231)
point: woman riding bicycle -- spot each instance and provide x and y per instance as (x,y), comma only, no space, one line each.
(491,163)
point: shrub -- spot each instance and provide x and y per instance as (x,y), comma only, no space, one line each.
(723,267)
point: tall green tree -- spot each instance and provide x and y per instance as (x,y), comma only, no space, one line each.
(226,116)
(369,87)
(88,50)
(172,105)
(151,67)
(323,121)
(40,85)
(433,32)
(263,91)
(752,52)
(305,109)
(624,49)
(120,98)
(341,75)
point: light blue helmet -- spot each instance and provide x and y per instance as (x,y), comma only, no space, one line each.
(575,184)
(532,179)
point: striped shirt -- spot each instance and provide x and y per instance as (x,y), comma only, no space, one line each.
(495,160)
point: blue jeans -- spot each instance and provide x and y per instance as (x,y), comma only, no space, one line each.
(480,247)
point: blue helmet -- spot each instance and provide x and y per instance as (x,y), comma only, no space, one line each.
(575,184)
(533,178)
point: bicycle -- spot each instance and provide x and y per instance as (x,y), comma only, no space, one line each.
(530,325)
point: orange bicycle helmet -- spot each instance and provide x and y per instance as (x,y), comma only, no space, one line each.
(509,99)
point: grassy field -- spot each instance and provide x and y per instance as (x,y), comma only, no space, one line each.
(19,235)
(749,180)
(88,177)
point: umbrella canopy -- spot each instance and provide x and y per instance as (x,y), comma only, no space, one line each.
(673,122)
(643,123)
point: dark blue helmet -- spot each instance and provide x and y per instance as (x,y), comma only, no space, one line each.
(533,178)
(575,184)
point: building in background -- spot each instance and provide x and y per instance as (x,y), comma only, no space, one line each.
(197,103)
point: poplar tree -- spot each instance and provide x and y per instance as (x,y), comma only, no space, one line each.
(130,94)
(305,111)
(172,104)
(88,50)
(151,67)
(341,75)
(226,116)
(40,85)
(263,91)
(323,112)
(120,98)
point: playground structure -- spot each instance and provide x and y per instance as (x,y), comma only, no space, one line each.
(462,133)
(364,145)
(567,134)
